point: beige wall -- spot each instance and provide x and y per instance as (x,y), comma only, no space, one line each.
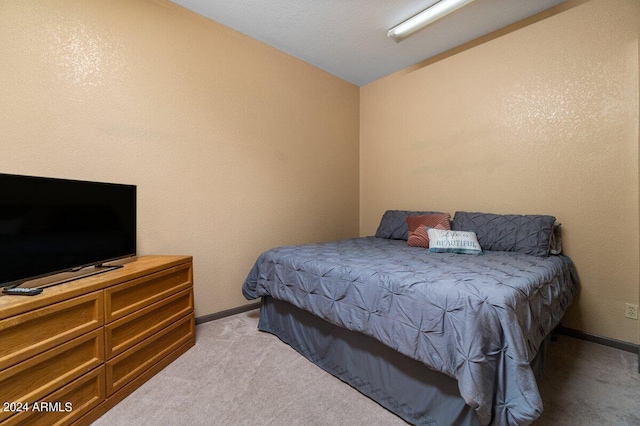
(235,146)
(542,120)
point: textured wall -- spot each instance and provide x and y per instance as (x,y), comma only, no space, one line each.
(235,146)
(542,120)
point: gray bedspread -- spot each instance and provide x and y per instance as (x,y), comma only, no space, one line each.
(479,319)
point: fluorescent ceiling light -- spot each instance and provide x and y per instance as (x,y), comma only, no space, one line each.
(424,18)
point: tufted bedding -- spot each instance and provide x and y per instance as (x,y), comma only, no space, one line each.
(478,319)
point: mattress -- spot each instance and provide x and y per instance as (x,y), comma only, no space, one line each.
(478,319)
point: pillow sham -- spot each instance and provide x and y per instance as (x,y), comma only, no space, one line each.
(448,241)
(393,225)
(420,238)
(528,234)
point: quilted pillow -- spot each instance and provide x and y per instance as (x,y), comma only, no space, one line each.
(420,238)
(528,234)
(393,225)
(447,241)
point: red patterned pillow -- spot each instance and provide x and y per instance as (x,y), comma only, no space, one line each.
(417,227)
(430,220)
(420,237)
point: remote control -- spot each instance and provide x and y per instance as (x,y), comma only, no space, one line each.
(21,291)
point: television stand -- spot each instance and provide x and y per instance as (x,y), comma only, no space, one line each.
(74,351)
(96,269)
(98,266)
(70,275)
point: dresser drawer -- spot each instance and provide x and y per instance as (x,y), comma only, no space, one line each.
(36,331)
(131,363)
(123,299)
(33,379)
(66,404)
(122,334)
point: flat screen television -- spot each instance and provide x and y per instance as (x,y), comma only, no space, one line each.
(48,226)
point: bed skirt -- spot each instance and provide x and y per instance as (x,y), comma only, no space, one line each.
(402,385)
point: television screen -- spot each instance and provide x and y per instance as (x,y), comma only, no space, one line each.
(55,225)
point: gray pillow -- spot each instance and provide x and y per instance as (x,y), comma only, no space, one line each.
(528,234)
(393,225)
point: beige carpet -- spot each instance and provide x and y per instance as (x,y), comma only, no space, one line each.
(236,375)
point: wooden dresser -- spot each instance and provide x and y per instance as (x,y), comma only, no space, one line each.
(74,351)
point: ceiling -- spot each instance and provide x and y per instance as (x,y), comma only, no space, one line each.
(348,38)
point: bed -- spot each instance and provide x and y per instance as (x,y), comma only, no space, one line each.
(435,337)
